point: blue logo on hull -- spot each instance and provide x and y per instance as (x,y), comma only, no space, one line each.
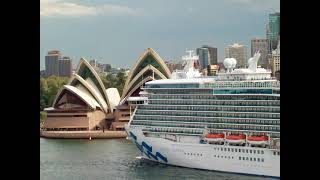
(148,150)
(133,136)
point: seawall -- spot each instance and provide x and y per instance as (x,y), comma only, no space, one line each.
(83,134)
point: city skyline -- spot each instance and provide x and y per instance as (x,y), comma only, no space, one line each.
(114,32)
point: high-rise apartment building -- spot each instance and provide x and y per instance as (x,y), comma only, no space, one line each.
(65,66)
(239,52)
(260,45)
(207,56)
(57,65)
(51,63)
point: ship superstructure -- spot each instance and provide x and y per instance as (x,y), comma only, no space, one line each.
(230,122)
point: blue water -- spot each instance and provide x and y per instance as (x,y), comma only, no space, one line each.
(112,159)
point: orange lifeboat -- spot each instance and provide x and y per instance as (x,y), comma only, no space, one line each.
(236,139)
(258,140)
(215,138)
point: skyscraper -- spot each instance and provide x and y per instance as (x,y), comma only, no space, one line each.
(239,52)
(207,56)
(65,66)
(51,61)
(56,65)
(262,46)
(273,31)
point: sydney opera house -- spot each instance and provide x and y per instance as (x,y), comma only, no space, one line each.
(84,104)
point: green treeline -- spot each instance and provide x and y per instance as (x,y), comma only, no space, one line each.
(111,81)
(49,87)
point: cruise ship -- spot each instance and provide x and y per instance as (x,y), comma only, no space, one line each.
(229,122)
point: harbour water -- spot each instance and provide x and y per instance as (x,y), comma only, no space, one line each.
(63,159)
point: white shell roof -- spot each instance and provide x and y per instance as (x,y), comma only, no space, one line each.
(89,100)
(113,97)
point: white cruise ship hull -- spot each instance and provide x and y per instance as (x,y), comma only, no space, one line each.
(207,156)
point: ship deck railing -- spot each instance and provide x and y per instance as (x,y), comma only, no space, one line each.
(200,130)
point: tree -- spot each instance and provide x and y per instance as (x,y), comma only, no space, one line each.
(49,87)
(53,89)
(43,116)
(111,81)
(43,93)
(121,80)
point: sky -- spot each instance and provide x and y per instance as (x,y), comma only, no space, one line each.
(117,32)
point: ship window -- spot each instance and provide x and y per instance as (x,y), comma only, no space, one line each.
(279,153)
(239,158)
(247,158)
(258,151)
(247,151)
(262,160)
(254,151)
(250,159)
(254,159)
(225,149)
(231,149)
(274,153)
(262,152)
(228,149)
(250,151)
(258,159)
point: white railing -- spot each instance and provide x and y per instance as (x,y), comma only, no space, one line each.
(247,84)
(132,115)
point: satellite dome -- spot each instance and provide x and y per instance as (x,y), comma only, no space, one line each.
(227,63)
(233,62)
(230,63)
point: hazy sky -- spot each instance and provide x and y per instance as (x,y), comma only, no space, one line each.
(118,31)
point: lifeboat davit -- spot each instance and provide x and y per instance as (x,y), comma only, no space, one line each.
(236,139)
(258,140)
(215,138)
